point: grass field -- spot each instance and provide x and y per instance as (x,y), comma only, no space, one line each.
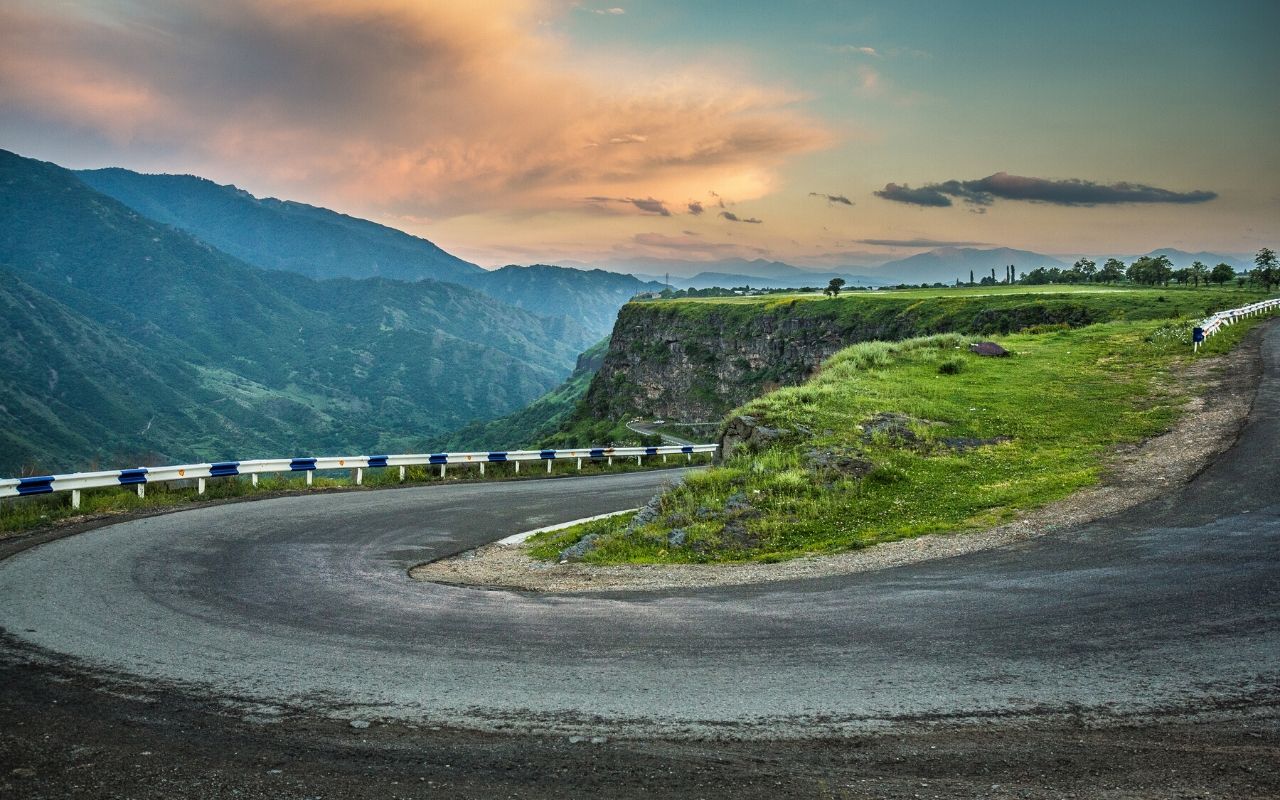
(982,291)
(897,439)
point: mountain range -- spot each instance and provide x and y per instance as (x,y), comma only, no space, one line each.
(1182,258)
(163,318)
(947,264)
(130,340)
(941,264)
(319,243)
(278,234)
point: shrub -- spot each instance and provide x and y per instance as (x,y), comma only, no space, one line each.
(952,366)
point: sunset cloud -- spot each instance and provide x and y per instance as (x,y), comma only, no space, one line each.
(833,199)
(732,217)
(1068,192)
(415,109)
(646,204)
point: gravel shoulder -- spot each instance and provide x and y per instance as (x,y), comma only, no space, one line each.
(62,735)
(1220,393)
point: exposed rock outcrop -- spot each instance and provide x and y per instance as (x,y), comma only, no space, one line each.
(744,432)
(988,349)
(693,362)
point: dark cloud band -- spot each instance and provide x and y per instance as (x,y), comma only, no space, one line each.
(833,199)
(732,217)
(646,204)
(1068,192)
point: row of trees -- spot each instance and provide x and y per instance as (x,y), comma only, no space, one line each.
(1151,271)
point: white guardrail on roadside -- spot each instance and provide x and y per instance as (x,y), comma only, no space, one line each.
(1216,322)
(139,477)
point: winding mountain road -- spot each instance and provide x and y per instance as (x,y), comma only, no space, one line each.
(1173,606)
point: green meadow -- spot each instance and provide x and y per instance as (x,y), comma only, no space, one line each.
(897,439)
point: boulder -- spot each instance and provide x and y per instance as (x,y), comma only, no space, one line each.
(895,427)
(845,462)
(988,349)
(576,551)
(744,431)
(649,513)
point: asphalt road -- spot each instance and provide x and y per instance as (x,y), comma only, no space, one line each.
(1172,607)
(648,429)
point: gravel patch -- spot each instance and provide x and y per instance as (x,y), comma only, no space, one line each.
(1134,474)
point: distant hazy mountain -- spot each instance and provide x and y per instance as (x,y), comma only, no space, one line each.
(1182,258)
(589,298)
(319,243)
(256,363)
(705,280)
(278,234)
(946,264)
(657,268)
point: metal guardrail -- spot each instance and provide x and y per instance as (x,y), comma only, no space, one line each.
(1218,321)
(139,477)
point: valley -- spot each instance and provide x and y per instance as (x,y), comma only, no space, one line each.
(133,342)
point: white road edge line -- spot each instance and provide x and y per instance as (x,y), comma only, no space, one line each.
(517,538)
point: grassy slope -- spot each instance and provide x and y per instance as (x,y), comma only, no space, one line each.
(1064,399)
(963,291)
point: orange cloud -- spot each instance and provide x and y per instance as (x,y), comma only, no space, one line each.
(415,109)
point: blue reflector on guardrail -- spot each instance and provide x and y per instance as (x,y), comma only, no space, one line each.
(302,464)
(502,456)
(686,449)
(40,485)
(597,452)
(131,476)
(440,458)
(547,454)
(651,451)
(224,468)
(378,461)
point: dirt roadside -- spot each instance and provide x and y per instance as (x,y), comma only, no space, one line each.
(1134,474)
(64,735)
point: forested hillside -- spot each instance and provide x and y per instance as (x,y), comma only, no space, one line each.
(590,298)
(288,362)
(534,425)
(319,243)
(278,234)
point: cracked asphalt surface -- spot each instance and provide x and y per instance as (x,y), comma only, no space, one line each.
(1160,627)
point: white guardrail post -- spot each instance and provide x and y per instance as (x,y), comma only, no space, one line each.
(139,477)
(1218,321)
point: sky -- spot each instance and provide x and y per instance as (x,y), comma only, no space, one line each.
(818,133)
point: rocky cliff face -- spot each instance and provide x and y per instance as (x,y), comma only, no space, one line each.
(693,362)
(693,368)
